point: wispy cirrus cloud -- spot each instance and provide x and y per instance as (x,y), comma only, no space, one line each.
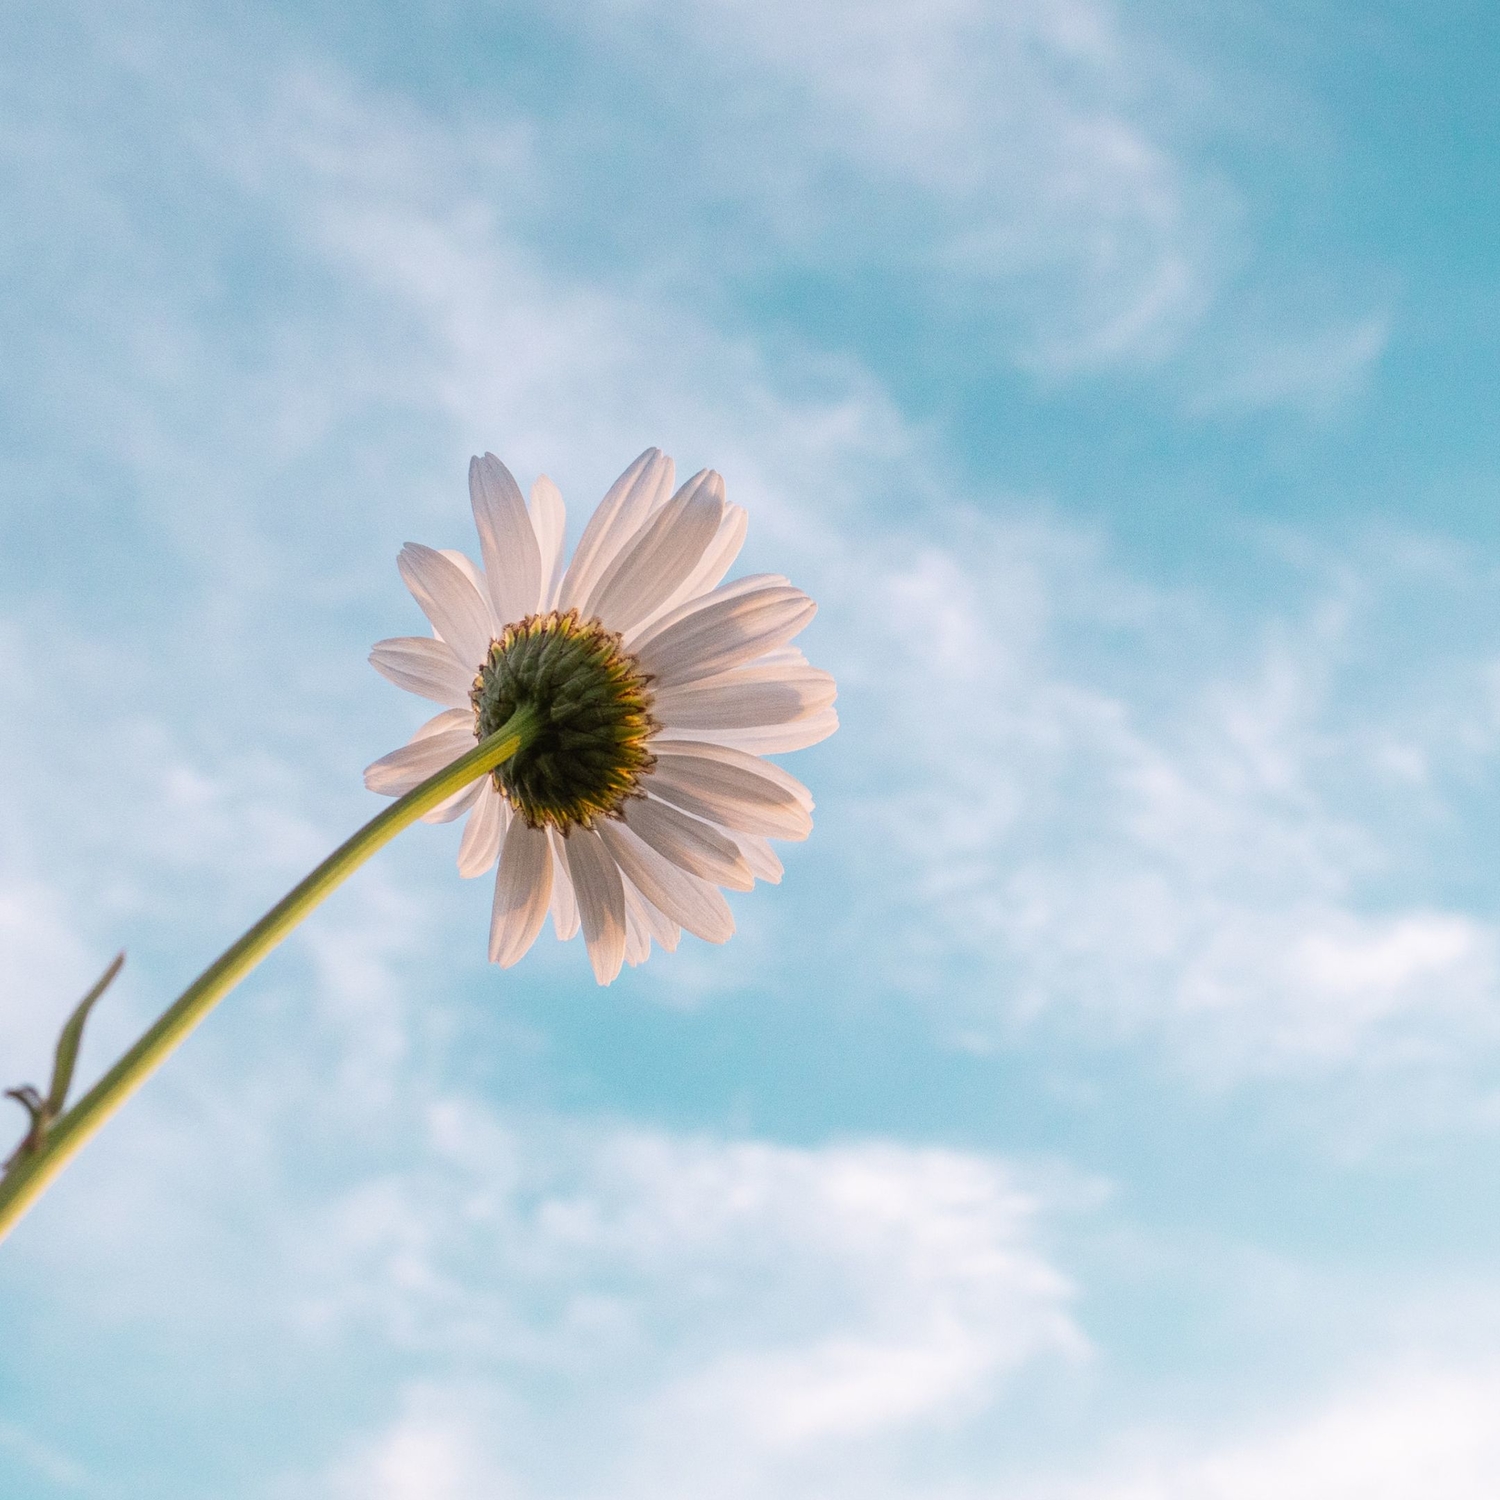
(1001,158)
(1134,817)
(1042,181)
(1319,371)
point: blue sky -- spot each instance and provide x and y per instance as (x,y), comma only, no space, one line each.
(1106,1104)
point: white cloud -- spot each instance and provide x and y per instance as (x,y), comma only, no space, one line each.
(1419,1431)
(43,1461)
(714,1306)
(1046,180)
(901,1248)
(498,346)
(1173,831)
(439,1448)
(550,1306)
(1004,150)
(1318,371)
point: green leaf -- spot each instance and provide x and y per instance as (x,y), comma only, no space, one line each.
(72,1036)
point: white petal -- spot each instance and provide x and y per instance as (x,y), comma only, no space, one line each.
(731,788)
(724,632)
(629,500)
(523,887)
(660,557)
(423,666)
(396,774)
(717,561)
(450,718)
(761,857)
(549,519)
(689,843)
(750,584)
(683,898)
(657,922)
(480,845)
(601,901)
(815,683)
(512,558)
(446,728)
(782,656)
(719,557)
(456,805)
(564,902)
(465,565)
(750,764)
(637,933)
(459,614)
(767,739)
(730,701)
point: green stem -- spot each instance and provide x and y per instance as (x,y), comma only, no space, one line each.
(29,1177)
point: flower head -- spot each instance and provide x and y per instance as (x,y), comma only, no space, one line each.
(659,690)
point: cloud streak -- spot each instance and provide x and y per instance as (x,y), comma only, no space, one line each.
(716,1306)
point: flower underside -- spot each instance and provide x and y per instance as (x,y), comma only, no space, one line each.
(592,700)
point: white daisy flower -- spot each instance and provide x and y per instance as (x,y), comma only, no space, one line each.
(660,688)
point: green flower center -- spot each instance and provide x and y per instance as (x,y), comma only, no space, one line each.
(591,697)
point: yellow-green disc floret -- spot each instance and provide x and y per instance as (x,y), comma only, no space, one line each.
(595,712)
